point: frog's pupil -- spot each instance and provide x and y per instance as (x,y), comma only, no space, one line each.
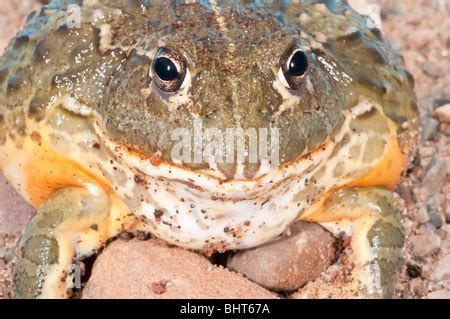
(166,69)
(298,64)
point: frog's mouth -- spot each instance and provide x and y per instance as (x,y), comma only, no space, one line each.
(197,210)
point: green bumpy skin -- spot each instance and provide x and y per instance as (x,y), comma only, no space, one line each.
(377,237)
(47,246)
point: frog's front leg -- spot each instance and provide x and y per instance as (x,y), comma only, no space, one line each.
(371,216)
(74,223)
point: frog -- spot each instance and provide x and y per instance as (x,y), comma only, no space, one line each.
(92,93)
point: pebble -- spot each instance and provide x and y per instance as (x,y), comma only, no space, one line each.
(435,175)
(431,70)
(9,255)
(425,245)
(447,214)
(14,210)
(433,213)
(440,101)
(421,215)
(446,284)
(418,287)
(289,262)
(420,39)
(443,113)
(439,294)
(444,128)
(153,270)
(442,269)
(427,151)
(429,128)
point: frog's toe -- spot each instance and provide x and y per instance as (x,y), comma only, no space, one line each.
(371,217)
(386,241)
(54,237)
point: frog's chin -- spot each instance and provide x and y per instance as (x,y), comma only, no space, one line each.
(195,210)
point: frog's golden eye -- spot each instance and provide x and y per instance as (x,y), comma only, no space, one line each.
(168,70)
(294,67)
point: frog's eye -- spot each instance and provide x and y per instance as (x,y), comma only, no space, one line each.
(294,68)
(169,70)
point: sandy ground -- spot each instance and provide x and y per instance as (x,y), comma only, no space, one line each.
(417,28)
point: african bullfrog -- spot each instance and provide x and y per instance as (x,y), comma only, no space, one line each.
(212,125)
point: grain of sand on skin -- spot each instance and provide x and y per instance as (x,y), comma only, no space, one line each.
(424,41)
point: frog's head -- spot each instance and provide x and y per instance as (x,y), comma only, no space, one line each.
(225,70)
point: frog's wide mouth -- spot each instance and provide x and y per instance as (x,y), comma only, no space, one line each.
(196,210)
(147,166)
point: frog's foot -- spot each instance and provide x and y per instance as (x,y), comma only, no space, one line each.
(371,217)
(74,223)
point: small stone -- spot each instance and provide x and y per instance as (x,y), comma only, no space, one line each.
(9,255)
(429,128)
(421,215)
(446,284)
(443,113)
(289,262)
(444,128)
(433,286)
(440,101)
(447,214)
(420,39)
(435,175)
(431,70)
(158,288)
(11,201)
(435,217)
(445,229)
(154,270)
(428,228)
(439,294)
(424,245)
(427,151)
(442,269)
(418,287)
